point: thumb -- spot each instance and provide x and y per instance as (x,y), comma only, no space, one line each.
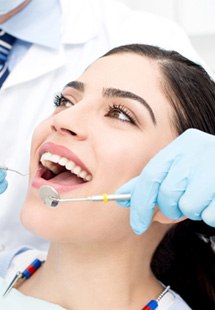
(126,188)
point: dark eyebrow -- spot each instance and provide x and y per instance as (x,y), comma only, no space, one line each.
(76,84)
(114,92)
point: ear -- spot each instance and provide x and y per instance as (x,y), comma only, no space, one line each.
(158,216)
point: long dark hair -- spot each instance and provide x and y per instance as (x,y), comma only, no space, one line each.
(184,258)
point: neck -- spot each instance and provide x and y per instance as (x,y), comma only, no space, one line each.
(97,276)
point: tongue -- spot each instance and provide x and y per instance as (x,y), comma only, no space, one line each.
(67,178)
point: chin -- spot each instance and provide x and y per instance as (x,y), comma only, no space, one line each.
(77,224)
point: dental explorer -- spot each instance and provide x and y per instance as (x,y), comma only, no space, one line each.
(12,170)
(51,197)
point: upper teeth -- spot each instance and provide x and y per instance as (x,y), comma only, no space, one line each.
(47,160)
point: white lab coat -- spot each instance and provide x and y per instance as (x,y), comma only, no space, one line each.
(89,28)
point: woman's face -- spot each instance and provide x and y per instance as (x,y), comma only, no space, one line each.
(108,125)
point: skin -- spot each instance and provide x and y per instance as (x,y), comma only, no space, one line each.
(5,17)
(94,239)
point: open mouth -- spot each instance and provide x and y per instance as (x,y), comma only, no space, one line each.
(63,171)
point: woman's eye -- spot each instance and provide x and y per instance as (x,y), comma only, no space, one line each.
(121,113)
(61,101)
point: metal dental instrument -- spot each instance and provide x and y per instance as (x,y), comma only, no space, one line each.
(12,170)
(51,197)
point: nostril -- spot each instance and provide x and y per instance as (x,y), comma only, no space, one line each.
(72,133)
(53,128)
(64,130)
(69,131)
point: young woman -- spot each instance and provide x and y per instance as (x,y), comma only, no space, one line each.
(107,125)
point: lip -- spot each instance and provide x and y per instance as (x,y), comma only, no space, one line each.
(63,152)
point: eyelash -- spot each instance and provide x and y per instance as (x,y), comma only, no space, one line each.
(61,101)
(121,109)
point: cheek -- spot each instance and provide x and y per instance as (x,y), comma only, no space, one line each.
(122,160)
(125,159)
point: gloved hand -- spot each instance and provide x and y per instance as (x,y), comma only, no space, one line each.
(180,179)
(3,181)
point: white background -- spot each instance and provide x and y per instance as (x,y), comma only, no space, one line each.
(196,17)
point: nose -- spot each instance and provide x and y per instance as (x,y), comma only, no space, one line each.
(73,121)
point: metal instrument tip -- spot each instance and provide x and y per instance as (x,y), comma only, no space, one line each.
(49,196)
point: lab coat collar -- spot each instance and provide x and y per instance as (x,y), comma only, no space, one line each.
(37,23)
(78,27)
(38,61)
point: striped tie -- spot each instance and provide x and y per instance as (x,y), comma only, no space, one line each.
(6,42)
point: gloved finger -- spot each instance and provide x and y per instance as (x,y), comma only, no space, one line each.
(2,175)
(137,225)
(141,212)
(144,197)
(196,198)
(127,188)
(3,186)
(168,199)
(172,188)
(208,214)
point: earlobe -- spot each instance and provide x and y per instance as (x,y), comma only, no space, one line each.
(159,217)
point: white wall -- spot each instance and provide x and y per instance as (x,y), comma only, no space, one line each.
(196,17)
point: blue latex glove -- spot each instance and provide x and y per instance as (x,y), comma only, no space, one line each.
(3,181)
(180,179)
